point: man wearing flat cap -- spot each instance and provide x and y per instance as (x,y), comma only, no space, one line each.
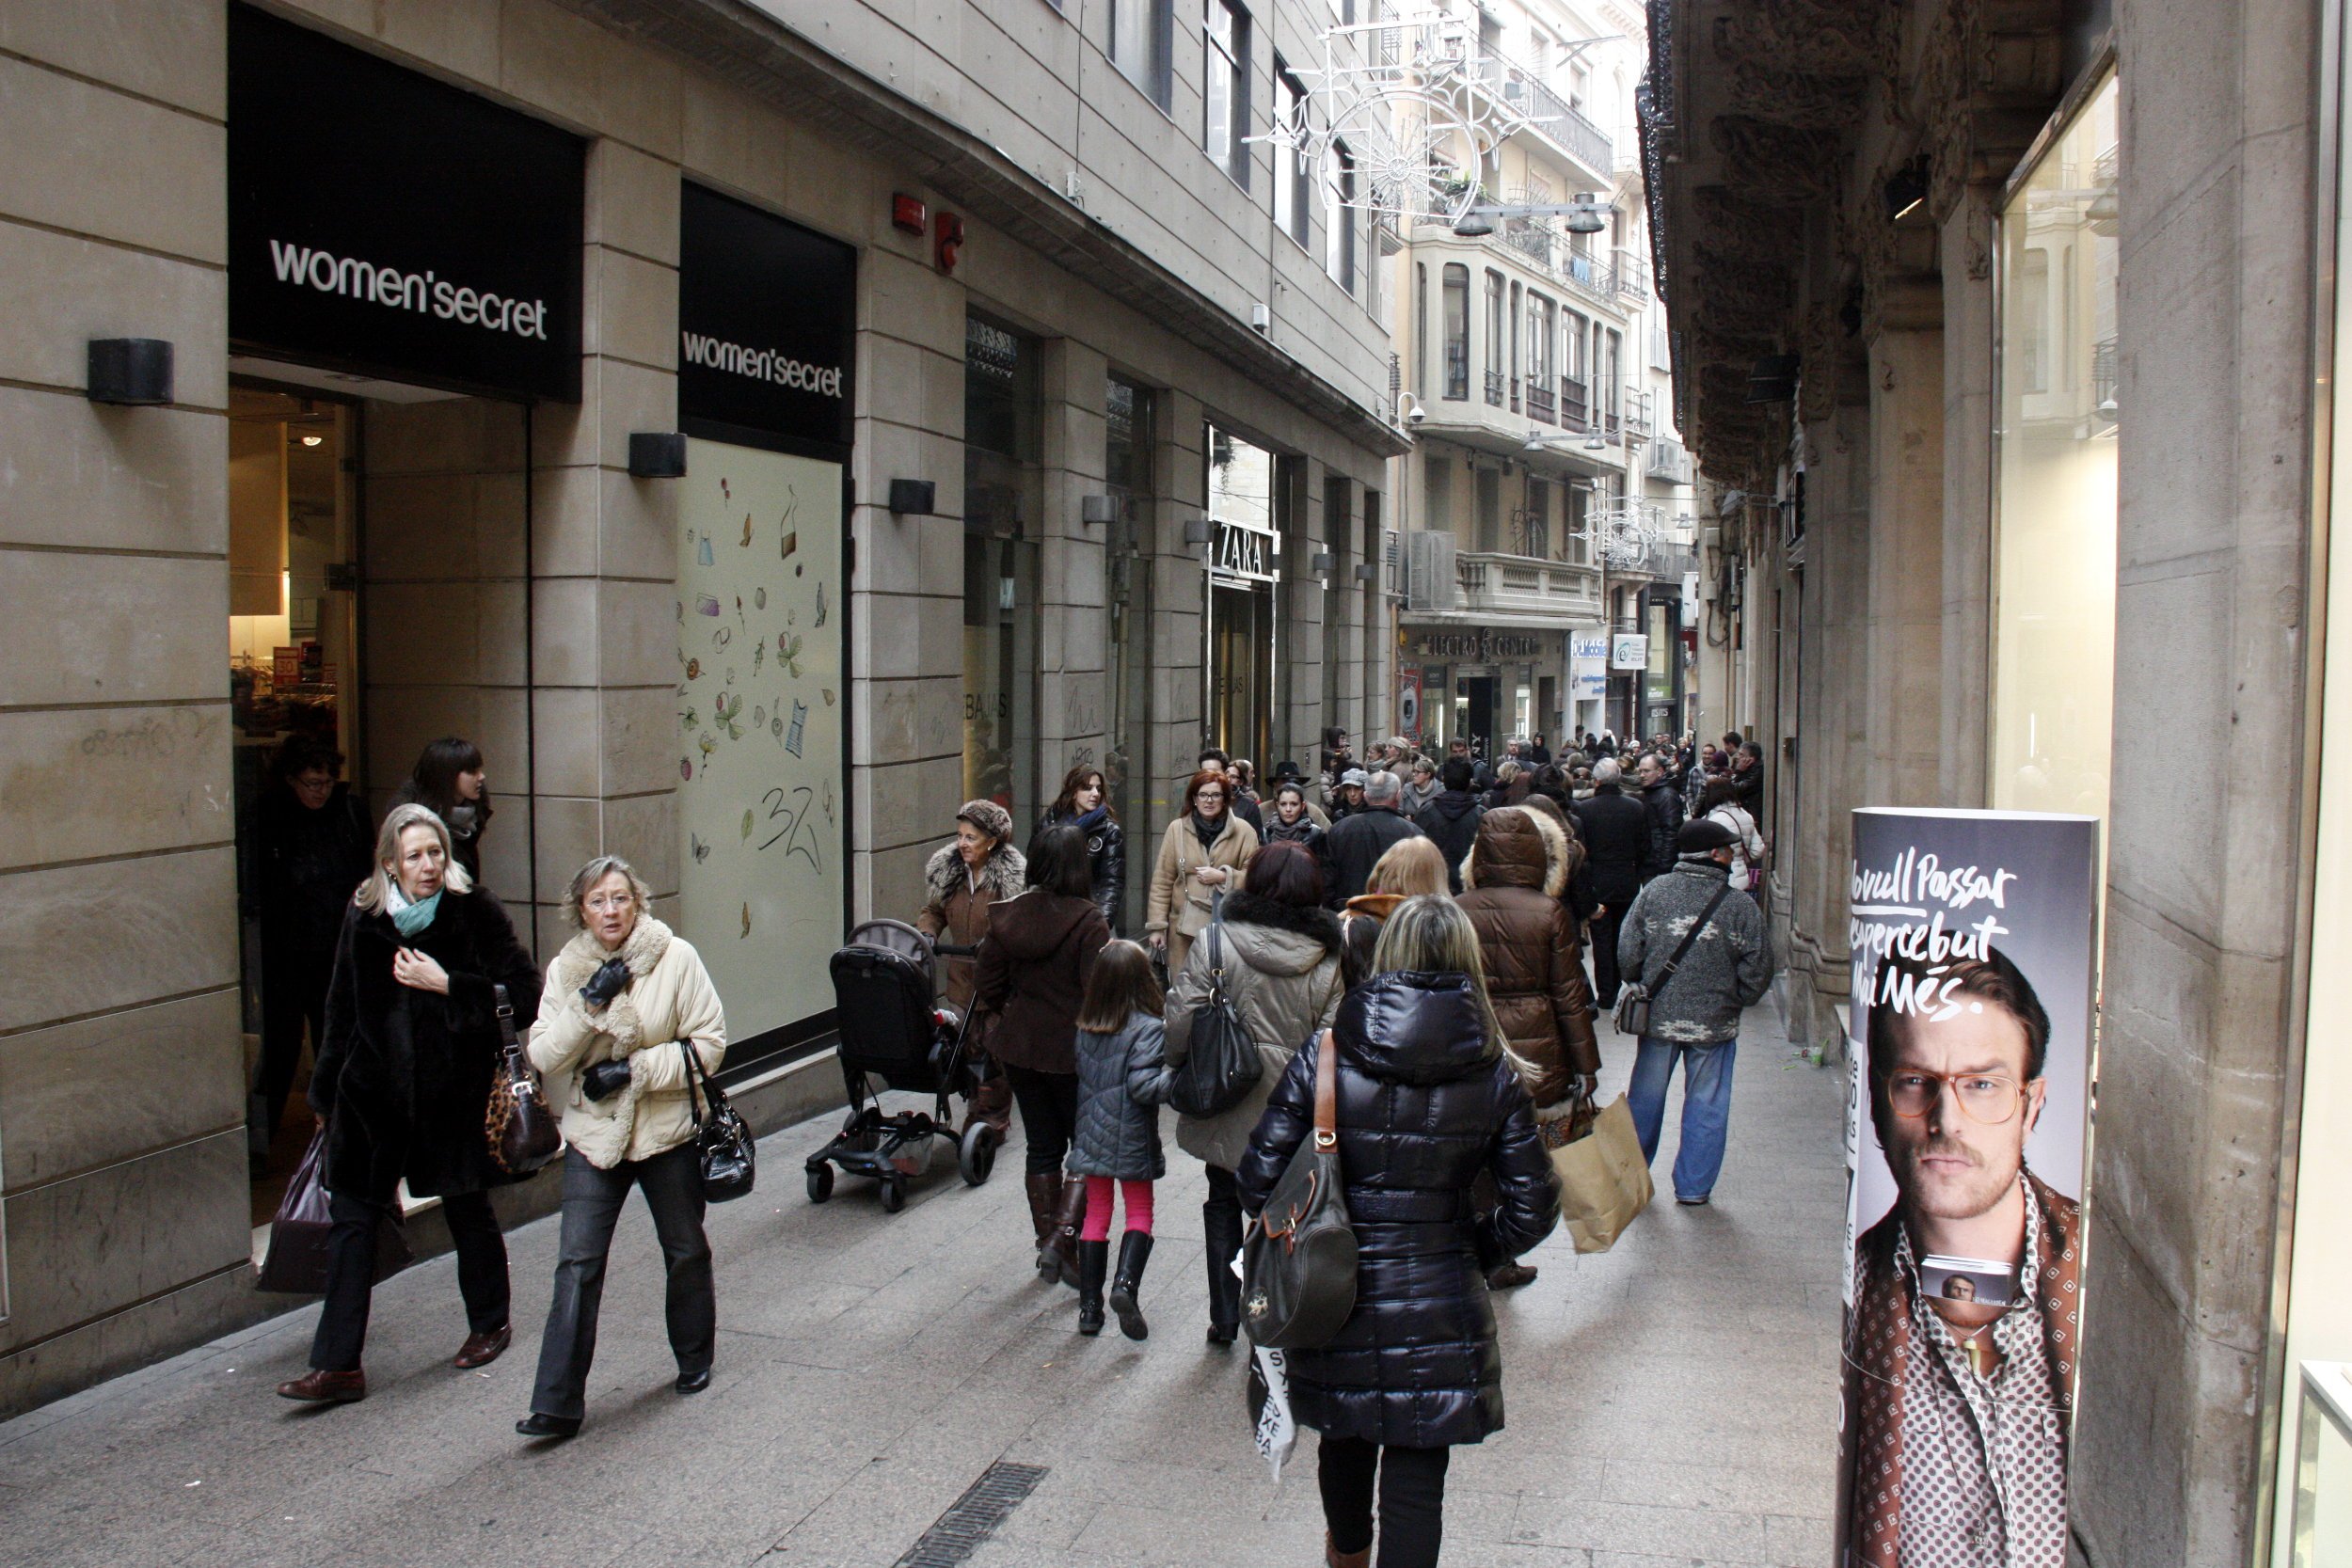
(1701,957)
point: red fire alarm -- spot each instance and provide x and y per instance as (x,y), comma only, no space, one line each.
(908,213)
(950,232)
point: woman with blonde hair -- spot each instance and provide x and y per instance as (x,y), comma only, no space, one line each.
(1427,1104)
(401,1084)
(626,1001)
(1409,867)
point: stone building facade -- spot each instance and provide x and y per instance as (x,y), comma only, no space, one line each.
(1055,271)
(1994,328)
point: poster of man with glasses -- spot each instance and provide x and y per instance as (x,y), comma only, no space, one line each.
(1973,938)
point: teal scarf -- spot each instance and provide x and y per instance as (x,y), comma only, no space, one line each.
(412,918)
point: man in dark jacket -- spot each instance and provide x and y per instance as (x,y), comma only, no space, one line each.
(1663,803)
(1747,776)
(1354,846)
(1451,818)
(1615,831)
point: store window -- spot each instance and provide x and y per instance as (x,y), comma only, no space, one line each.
(1541,324)
(1239,663)
(1457,332)
(2055,539)
(1002,503)
(1130,412)
(1225,87)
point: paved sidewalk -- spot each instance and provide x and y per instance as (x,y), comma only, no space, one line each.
(1672,1401)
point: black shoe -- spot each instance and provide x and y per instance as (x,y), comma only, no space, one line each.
(1223,1333)
(557,1427)
(1094,1261)
(1134,1250)
(1693,1202)
(693,1383)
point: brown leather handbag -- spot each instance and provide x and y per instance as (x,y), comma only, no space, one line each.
(519,1121)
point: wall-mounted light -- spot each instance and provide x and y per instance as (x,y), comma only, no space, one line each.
(1906,189)
(949,229)
(1366,571)
(315,440)
(914,497)
(1261,317)
(1196,530)
(130,372)
(1098,511)
(1319,564)
(657,454)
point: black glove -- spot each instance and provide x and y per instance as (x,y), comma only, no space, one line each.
(605,1078)
(609,981)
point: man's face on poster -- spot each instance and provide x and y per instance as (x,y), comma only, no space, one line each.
(1953,1161)
(1961,1288)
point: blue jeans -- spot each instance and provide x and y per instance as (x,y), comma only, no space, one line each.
(1705,1107)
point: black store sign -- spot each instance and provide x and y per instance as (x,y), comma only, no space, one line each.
(384,222)
(765,313)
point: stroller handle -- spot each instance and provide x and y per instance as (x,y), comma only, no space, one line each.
(948,950)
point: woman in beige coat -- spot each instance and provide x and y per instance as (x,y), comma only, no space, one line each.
(1282,973)
(1202,852)
(625,1001)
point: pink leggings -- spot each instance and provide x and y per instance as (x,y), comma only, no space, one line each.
(1136,1196)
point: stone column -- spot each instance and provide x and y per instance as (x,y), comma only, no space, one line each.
(1903,625)
(1074,643)
(1179,601)
(1967,243)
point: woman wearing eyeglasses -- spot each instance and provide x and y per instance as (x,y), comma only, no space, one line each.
(1201,853)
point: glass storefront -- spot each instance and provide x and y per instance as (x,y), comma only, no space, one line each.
(1244,568)
(1129,423)
(2054,434)
(1002,503)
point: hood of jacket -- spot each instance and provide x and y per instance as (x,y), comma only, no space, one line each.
(1518,848)
(1455,804)
(1275,939)
(1034,924)
(1004,875)
(1416,1028)
(1377,905)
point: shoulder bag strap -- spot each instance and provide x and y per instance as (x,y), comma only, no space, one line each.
(1689,937)
(693,1075)
(1216,942)
(1327,1092)
(505,1010)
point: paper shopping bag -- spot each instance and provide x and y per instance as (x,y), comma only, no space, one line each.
(1604,1182)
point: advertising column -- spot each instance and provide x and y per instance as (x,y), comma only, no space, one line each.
(765,313)
(1974,937)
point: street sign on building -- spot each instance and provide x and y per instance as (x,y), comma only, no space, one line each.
(1409,701)
(1588,666)
(1629,650)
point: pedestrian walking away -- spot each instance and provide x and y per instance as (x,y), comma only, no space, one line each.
(402,1085)
(1451,818)
(1354,846)
(962,882)
(1411,868)
(1693,1016)
(1616,832)
(449,781)
(1426,1103)
(1276,959)
(1084,804)
(1123,1081)
(625,1001)
(1202,852)
(1033,968)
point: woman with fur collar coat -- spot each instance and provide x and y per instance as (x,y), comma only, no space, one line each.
(1512,886)
(1281,975)
(961,880)
(625,1001)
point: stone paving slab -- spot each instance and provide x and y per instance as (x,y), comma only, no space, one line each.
(1671,1401)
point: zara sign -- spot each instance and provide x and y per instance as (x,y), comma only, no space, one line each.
(383,222)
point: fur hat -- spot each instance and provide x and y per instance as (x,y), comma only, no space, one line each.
(990,817)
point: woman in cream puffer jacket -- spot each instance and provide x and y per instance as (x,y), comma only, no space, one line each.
(625,1001)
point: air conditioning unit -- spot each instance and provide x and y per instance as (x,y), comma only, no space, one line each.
(1429,580)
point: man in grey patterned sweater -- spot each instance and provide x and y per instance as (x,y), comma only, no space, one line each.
(1694,1012)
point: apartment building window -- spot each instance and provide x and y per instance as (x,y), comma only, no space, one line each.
(1141,34)
(1536,521)
(1576,530)
(1421,330)
(1225,87)
(1437,491)
(1457,332)
(1493,366)
(1575,385)
(1612,372)
(1490,510)
(1339,173)
(1294,177)
(1514,315)
(1542,322)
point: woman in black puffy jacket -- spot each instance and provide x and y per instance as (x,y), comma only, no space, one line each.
(1427,1102)
(1085,806)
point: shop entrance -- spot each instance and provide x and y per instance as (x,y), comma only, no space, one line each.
(1475,698)
(1241,668)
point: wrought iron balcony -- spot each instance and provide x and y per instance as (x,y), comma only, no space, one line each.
(1539,402)
(1554,117)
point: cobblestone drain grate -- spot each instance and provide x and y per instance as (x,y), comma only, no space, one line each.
(958,1533)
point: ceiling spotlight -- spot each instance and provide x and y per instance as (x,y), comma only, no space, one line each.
(1907,190)
(315,440)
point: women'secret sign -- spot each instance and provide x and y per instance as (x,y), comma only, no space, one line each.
(383,222)
(1973,936)
(765,313)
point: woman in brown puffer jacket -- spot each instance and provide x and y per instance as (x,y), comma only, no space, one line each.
(1512,883)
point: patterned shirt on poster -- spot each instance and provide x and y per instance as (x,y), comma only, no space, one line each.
(1984,1456)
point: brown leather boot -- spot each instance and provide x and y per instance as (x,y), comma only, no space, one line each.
(1334,1558)
(1045,1189)
(992,1106)
(318,1388)
(1070,1213)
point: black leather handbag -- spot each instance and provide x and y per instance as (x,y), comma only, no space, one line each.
(728,1154)
(1299,1260)
(518,1122)
(1223,1064)
(1632,1016)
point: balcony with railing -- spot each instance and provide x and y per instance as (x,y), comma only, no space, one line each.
(1550,114)
(1517,587)
(1539,401)
(1494,389)
(1571,402)
(1636,414)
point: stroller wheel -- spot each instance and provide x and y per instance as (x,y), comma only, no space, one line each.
(978,1156)
(894,1192)
(819,1183)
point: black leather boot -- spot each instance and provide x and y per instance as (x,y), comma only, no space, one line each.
(1094,1261)
(1070,1215)
(1044,1189)
(1134,1250)
(1223,1229)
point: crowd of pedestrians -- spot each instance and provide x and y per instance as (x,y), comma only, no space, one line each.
(1427,918)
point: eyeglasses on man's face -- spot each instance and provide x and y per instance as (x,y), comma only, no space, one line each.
(1988,1098)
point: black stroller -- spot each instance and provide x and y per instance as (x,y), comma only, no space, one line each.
(892,1031)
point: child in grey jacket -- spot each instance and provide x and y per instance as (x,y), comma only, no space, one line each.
(1122,1079)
